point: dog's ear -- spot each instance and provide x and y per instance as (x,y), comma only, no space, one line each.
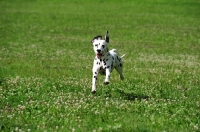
(96,38)
(107,37)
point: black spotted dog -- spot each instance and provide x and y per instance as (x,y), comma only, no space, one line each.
(105,60)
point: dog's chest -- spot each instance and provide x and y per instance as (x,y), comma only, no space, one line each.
(107,63)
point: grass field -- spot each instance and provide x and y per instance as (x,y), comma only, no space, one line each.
(46,60)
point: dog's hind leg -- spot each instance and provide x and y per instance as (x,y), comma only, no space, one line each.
(119,69)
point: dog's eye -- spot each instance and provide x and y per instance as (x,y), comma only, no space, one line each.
(96,45)
(103,46)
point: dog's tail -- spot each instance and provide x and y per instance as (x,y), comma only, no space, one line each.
(122,56)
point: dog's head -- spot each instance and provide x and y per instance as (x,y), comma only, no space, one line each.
(100,46)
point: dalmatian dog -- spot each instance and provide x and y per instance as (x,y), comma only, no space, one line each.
(105,61)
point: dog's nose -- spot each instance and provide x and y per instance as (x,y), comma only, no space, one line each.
(98,50)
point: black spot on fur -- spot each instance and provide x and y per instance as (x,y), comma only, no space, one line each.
(118,58)
(108,67)
(106,59)
(98,63)
(120,64)
(100,59)
(95,72)
(113,58)
(95,77)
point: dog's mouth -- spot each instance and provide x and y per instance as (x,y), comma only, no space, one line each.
(99,55)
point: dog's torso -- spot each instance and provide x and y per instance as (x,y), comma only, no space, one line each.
(109,60)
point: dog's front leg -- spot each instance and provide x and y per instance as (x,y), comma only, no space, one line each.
(108,71)
(94,78)
(95,72)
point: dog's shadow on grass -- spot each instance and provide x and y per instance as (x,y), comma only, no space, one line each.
(131,96)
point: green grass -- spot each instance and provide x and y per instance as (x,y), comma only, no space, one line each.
(46,59)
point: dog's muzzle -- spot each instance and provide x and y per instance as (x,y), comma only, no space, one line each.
(98,55)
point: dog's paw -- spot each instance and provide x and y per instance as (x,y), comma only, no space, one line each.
(106,83)
(93,92)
